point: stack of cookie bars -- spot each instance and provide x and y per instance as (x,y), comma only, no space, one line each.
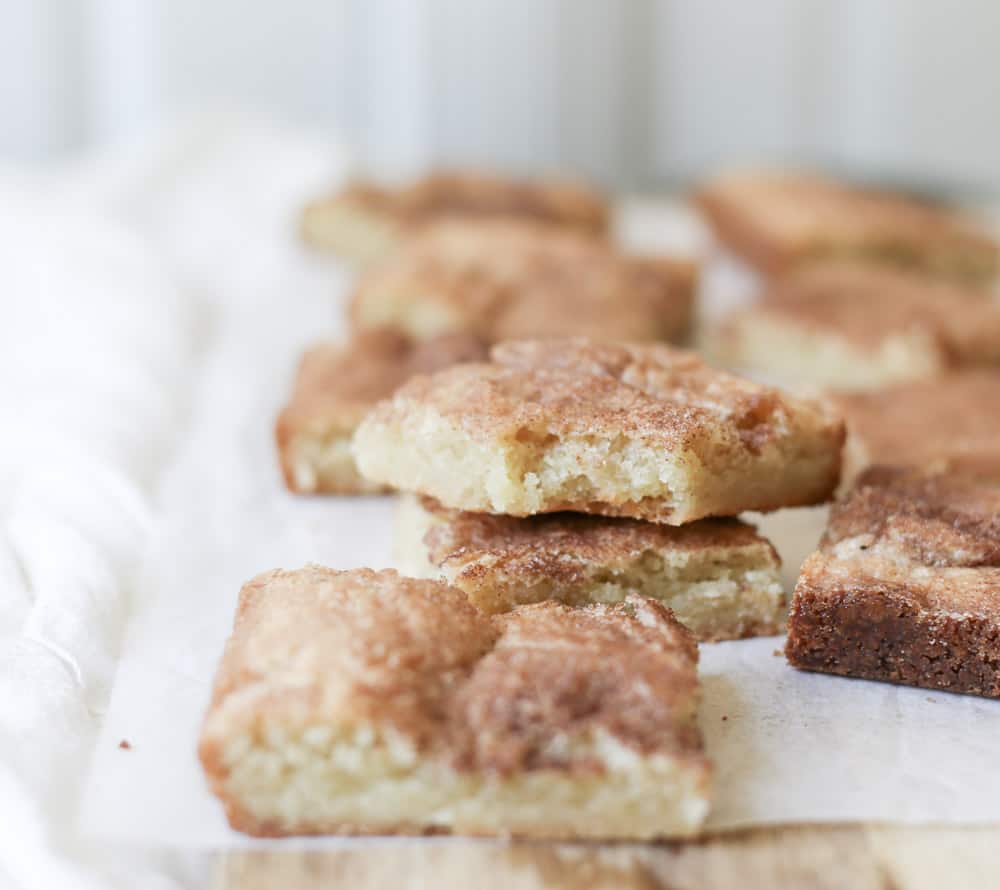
(569,487)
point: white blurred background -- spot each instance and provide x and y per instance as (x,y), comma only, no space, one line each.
(637,93)
(156,297)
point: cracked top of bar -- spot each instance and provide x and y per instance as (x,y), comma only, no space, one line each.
(320,646)
(940,519)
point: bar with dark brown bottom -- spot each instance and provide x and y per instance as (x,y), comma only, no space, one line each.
(906,585)
(869,620)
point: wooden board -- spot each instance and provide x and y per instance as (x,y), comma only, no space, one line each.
(867,857)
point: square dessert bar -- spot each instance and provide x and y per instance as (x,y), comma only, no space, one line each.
(509,279)
(777,221)
(856,327)
(718,576)
(644,431)
(364,222)
(906,584)
(364,702)
(335,388)
(949,421)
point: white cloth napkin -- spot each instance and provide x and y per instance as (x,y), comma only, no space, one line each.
(111,279)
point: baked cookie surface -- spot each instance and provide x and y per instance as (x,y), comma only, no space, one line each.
(366,702)
(506,280)
(643,431)
(906,584)
(778,221)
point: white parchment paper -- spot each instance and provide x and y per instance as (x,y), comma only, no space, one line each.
(788,746)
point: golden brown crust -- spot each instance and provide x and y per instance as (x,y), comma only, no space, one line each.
(778,220)
(509,279)
(466,194)
(649,390)
(866,305)
(498,400)
(337,384)
(947,421)
(483,694)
